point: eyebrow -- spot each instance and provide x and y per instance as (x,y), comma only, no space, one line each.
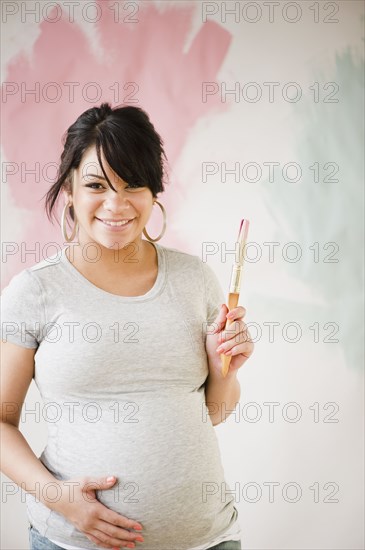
(93,176)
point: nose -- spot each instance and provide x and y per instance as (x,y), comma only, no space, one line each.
(116,201)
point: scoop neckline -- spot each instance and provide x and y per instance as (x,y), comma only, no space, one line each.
(159,282)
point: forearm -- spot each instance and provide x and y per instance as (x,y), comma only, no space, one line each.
(221,395)
(20,464)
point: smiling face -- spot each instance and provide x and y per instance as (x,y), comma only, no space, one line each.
(94,202)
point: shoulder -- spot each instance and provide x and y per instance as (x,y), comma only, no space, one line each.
(30,279)
(185,262)
(184,271)
(21,283)
(22,310)
(47,265)
(191,274)
(180,258)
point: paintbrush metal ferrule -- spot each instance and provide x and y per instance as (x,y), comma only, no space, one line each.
(237,269)
(236,278)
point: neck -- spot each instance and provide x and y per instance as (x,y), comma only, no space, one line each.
(90,254)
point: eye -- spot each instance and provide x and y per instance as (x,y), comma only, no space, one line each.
(91,185)
(134,186)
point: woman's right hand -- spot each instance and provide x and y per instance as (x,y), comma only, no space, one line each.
(101,525)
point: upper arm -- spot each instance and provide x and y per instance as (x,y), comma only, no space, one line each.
(22,320)
(17,370)
(214,295)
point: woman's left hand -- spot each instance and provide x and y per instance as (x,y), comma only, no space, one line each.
(235,340)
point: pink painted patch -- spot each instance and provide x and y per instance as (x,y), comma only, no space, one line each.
(149,54)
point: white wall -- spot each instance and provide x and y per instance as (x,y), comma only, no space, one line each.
(323,299)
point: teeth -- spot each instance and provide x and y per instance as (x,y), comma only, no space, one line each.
(116,223)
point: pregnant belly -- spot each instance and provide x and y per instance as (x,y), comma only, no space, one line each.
(163,450)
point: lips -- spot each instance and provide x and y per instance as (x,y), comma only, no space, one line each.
(120,222)
(116,226)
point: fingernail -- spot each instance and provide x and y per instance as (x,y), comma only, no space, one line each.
(138,527)
(110,478)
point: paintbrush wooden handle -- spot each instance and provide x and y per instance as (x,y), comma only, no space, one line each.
(235,285)
(226,359)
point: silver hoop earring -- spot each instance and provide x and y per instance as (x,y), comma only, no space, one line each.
(163,228)
(63,225)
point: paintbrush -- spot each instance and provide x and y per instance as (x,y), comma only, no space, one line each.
(235,286)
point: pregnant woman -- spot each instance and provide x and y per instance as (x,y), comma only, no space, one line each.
(123,338)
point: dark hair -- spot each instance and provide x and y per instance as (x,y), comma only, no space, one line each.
(130,144)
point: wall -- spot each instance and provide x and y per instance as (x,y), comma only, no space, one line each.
(261,110)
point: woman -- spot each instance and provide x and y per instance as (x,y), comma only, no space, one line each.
(121,335)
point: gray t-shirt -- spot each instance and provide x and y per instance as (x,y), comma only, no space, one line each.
(122,380)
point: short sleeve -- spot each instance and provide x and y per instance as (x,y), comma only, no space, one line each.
(214,295)
(22,311)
